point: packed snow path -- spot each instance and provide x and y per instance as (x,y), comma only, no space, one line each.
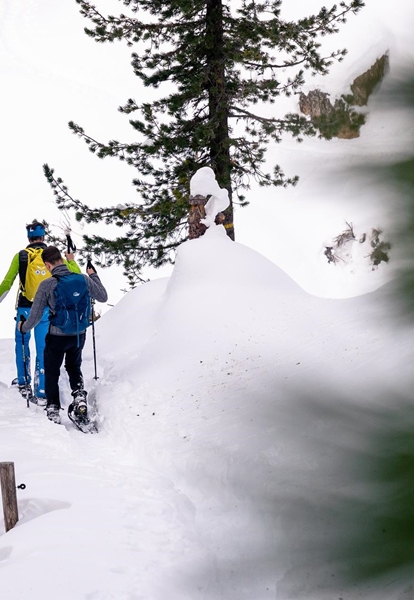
(233,444)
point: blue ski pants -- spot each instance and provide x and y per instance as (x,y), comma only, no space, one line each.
(22,350)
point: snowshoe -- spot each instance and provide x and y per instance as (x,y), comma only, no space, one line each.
(52,412)
(78,413)
(26,392)
(79,404)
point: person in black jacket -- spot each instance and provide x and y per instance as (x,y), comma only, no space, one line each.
(60,345)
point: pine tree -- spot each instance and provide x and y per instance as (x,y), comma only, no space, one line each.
(225,61)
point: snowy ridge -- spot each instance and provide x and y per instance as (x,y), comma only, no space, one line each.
(220,438)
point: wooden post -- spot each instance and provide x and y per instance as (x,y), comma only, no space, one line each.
(8,493)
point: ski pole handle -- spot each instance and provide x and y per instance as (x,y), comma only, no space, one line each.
(89,265)
(70,245)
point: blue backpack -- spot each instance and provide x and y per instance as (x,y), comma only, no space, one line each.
(72,304)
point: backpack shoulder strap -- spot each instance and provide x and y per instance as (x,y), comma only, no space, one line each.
(23,262)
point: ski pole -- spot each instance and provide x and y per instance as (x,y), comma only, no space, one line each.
(93,339)
(89,265)
(22,320)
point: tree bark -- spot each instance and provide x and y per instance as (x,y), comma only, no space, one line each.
(195,228)
(218,104)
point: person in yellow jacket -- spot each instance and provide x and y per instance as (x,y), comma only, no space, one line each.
(29,266)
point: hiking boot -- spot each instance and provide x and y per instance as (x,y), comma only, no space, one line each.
(26,391)
(79,404)
(79,393)
(41,401)
(15,382)
(52,412)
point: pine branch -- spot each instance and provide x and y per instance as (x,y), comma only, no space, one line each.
(219,63)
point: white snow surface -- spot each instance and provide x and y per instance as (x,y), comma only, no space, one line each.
(230,401)
(204,183)
(238,401)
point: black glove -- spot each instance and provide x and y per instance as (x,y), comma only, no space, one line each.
(89,265)
(22,320)
(70,245)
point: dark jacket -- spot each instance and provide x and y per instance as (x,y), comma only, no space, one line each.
(45,297)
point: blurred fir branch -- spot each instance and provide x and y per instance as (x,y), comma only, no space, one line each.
(341,490)
(399,174)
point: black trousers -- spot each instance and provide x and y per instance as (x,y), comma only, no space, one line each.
(57,348)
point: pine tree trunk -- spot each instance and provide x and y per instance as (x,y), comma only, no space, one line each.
(218,104)
(197,212)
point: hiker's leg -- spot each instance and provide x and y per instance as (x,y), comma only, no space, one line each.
(18,338)
(73,361)
(40,332)
(53,358)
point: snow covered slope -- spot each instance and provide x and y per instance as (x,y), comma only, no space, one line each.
(237,411)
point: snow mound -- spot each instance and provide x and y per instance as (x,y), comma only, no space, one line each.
(224,299)
(220,297)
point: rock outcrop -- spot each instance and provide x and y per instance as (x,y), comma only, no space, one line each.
(340,119)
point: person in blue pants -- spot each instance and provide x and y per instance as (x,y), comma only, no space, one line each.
(28,265)
(23,379)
